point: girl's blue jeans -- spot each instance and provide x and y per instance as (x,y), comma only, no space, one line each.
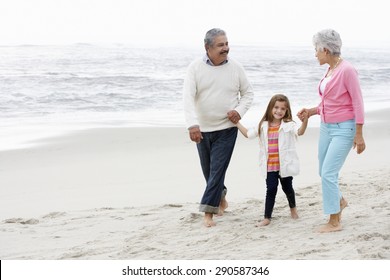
(336,140)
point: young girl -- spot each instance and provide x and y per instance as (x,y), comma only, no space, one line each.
(278,157)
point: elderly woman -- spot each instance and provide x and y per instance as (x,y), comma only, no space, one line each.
(342,118)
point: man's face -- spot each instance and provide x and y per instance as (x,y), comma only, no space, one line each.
(219,50)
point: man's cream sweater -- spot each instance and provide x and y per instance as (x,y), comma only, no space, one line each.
(210,92)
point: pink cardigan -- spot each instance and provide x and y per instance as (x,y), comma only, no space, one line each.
(342,99)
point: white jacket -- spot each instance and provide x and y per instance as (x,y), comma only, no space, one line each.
(288,156)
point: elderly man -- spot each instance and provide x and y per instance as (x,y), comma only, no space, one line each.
(217,94)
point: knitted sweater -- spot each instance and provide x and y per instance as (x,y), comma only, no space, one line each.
(342,99)
(211,91)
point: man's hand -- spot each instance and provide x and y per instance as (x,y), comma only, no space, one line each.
(195,134)
(234,116)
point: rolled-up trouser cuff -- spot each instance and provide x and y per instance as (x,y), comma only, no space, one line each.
(208,209)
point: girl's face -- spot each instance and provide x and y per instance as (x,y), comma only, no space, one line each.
(279,110)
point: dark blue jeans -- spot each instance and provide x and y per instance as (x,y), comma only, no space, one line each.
(215,151)
(272,189)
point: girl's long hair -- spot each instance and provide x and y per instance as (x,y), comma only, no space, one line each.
(268,113)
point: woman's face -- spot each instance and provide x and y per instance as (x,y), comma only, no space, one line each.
(321,55)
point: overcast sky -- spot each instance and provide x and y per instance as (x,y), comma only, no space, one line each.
(181,22)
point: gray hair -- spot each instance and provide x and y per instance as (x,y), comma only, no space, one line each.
(211,34)
(328,39)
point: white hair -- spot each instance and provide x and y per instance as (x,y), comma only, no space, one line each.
(328,39)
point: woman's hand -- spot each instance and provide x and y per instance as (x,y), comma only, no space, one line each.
(358,141)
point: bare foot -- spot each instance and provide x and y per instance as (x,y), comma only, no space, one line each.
(208,220)
(332,225)
(329,227)
(343,204)
(222,206)
(294,213)
(264,222)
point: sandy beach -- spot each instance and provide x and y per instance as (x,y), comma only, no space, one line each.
(133,193)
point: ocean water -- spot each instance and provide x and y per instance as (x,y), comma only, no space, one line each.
(48,90)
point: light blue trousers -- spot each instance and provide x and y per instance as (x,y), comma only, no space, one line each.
(336,140)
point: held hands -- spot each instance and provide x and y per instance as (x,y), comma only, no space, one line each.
(303,114)
(234,116)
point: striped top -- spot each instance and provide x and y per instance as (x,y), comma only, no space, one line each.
(273,163)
